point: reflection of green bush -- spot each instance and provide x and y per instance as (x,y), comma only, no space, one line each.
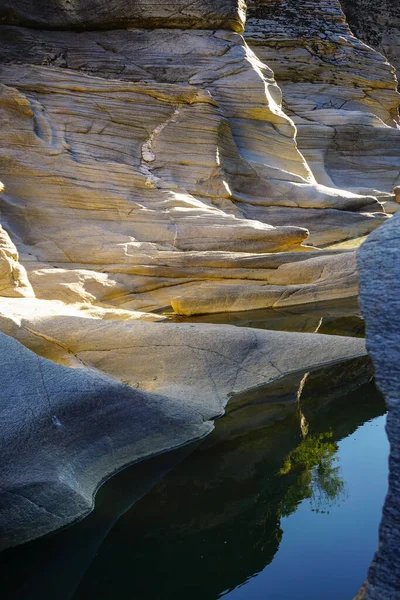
(318,476)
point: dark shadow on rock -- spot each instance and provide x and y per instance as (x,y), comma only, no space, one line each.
(51,568)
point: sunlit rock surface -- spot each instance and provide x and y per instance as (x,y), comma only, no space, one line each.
(123,151)
(380,287)
(151,164)
(339,92)
(13,278)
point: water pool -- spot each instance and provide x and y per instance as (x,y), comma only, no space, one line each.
(288,510)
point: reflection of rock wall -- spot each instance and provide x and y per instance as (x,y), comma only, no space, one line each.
(220,516)
(377,23)
(228,497)
(380,287)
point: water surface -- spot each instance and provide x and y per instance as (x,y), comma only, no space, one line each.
(326,554)
(281,502)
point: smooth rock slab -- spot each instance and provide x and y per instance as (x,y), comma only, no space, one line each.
(317,278)
(64,430)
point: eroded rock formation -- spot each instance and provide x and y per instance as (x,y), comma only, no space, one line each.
(340,94)
(151,163)
(103,14)
(117,181)
(377,24)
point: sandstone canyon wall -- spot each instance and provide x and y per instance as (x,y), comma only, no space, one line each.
(116,203)
(156,160)
(377,24)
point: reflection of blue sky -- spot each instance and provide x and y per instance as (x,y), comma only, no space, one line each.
(327,556)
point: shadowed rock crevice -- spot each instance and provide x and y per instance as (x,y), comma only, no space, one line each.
(377,24)
(380,283)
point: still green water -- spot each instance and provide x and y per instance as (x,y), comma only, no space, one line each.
(285,506)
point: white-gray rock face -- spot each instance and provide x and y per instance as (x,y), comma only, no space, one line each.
(379,296)
(63,431)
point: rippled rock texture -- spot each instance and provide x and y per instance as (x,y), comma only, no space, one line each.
(380,283)
(103,14)
(340,94)
(126,153)
(377,24)
(152,164)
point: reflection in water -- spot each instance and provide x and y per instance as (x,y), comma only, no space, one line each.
(214,521)
(326,556)
(320,479)
(341,317)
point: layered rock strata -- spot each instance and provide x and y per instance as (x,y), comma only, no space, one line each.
(377,24)
(100,14)
(380,288)
(340,93)
(117,181)
(156,169)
